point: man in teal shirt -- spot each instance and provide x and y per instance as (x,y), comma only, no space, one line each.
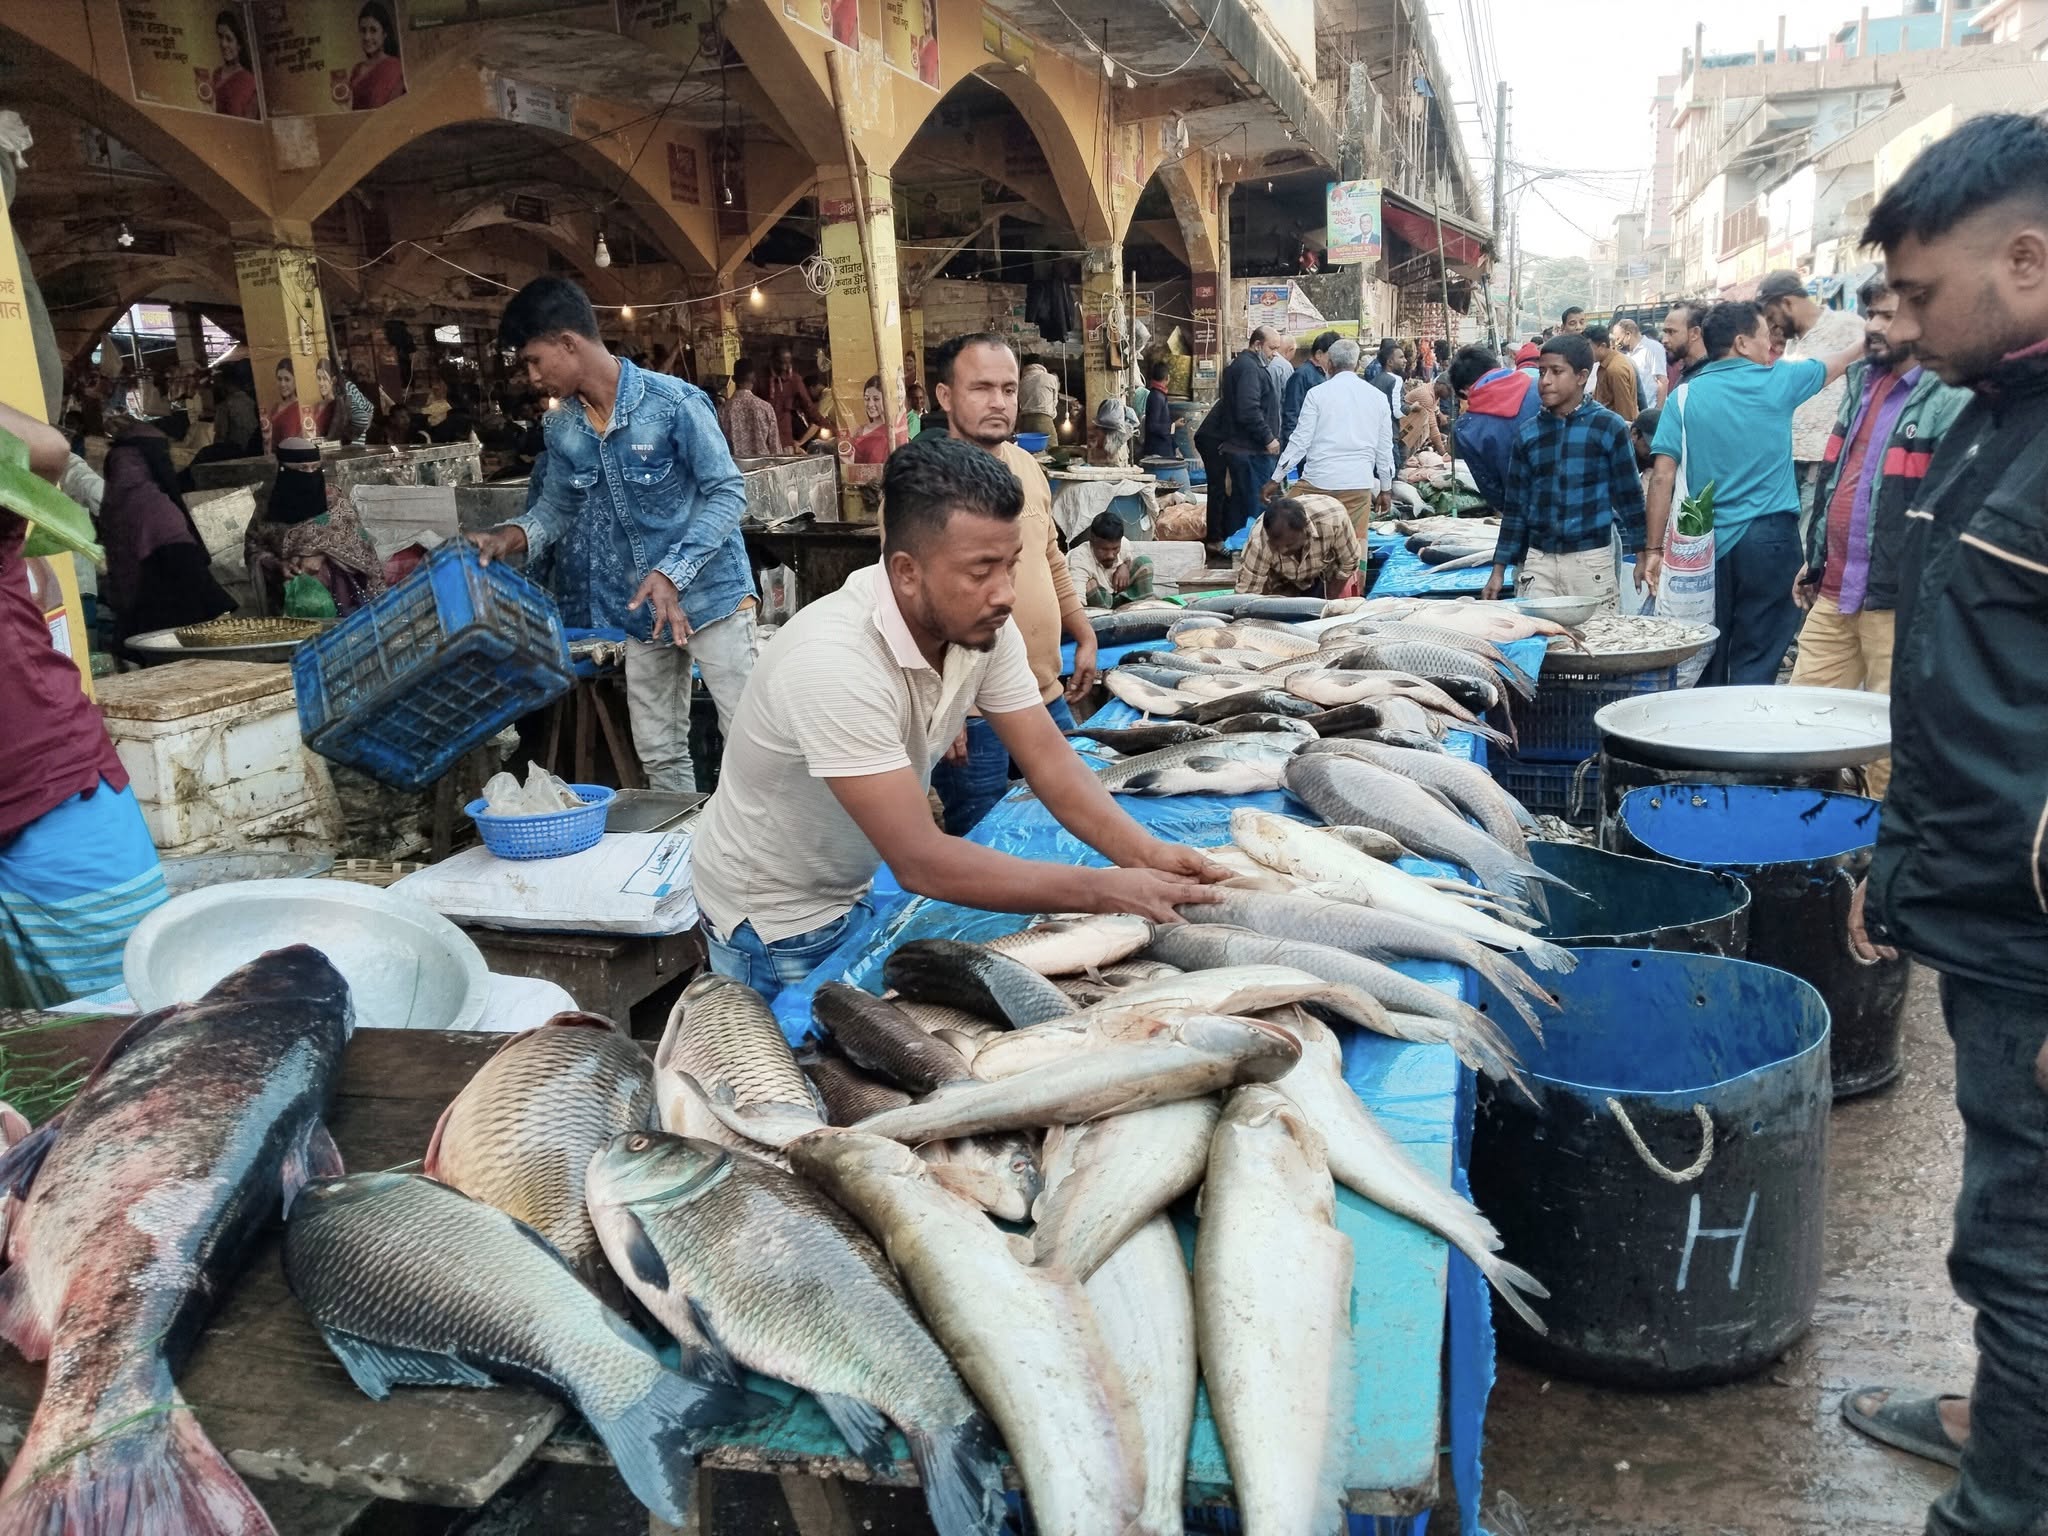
(1731,424)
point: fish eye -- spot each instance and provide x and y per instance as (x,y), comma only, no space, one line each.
(640,1143)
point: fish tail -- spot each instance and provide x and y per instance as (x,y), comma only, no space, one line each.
(1510,1281)
(963,1481)
(1518,679)
(1513,985)
(653,1441)
(154,1474)
(1546,956)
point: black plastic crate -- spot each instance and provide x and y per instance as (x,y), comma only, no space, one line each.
(1567,790)
(1557,725)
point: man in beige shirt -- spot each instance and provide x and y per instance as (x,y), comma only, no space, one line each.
(976,386)
(826,765)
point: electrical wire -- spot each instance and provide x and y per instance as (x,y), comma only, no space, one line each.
(702,298)
(1144,74)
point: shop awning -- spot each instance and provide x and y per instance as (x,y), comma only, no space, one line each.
(1464,245)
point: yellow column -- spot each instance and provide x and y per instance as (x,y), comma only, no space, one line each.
(285,317)
(913,339)
(863,315)
(1105,324)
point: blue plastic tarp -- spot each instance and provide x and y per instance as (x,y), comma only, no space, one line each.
(1405,575)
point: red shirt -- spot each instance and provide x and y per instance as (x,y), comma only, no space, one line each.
(53,744)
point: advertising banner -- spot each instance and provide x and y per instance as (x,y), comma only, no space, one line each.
(1351,217)
(327,56)
(682,29)
(836,19)
(194,55)
(910,38)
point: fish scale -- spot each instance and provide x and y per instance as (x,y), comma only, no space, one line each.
(522,1130)
(415,1284)
(721,1032)
(687,1224)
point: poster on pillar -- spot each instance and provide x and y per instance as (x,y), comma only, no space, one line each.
(287,331)
(327,56)
(836,19)
(910,38)
(682,29)
(194,55)
(1351,219)
(860,407)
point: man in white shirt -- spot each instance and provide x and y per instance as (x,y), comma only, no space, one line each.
(1280,362)
(831,750)
(1343,441)
(1646,356)
(1811,330)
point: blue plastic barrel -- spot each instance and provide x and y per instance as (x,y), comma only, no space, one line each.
(1801,852)
(1666,1173)
(1170,473)
(1618,902)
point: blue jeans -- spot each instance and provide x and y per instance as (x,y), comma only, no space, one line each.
(2001,1237)
(968,789)
(1249,473)
(770,965)
(1753,605)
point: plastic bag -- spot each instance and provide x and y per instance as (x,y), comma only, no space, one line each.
(778,595)
(307,597)
(1686,589)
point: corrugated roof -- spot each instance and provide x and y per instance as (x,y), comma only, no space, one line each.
(1972,92)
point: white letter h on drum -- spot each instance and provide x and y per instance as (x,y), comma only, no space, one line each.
(1694,1232)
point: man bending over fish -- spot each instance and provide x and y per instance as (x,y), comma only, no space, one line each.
(829,758)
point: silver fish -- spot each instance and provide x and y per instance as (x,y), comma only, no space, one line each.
(1363,1157)
(1471,787)
(974,977)
(1349,790)
(1272,1315)
(1145,1304)
(1201,1055)
(686,1223)
(724,1036)
(1025,1338)
(1064,946)
(998,1172)
(1231,766)
(1107,1178)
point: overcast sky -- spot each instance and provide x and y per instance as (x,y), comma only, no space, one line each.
(1581,74)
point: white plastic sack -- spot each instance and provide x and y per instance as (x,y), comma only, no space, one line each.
(1686,590)
(630,883)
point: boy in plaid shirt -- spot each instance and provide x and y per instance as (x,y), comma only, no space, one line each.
(1571,476)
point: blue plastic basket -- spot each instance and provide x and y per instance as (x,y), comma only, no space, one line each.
(545,837)
(441,662)
(1557,725)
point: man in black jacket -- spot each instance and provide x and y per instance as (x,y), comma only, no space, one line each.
(1961,875)
(1240,438)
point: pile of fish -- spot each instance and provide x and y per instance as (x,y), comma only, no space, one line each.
(1450,543)
(1612,634)
(1225,703)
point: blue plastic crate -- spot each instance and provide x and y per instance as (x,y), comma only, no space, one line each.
(1570,791)
(441,662)
(1557,725)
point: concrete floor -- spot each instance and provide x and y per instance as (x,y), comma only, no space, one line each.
(1771,1456)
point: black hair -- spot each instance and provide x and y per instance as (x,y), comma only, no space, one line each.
(1106,527)
(546,306)
(1695,311)
(1259,334)
(874,382)
(1286,514)
(1875,287)
(933,476)
(1724,323)
(1323,343)
(1598,335)
(1389,347)
(1999,157)
(1156,371)
(377,11)
(1645,424)
(1469,366)
(1575,350)
(743,373)
(949,353)
(1565,318)
(233,22)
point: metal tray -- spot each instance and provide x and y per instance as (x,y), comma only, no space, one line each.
(650,810)
(1750,729)
(1614,663)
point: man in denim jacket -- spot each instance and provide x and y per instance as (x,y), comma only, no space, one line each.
(641,457)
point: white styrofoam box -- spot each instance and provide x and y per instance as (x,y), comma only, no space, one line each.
(208,774)
(1173,559)
(305,826)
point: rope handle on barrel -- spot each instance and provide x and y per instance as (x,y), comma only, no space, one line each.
(1684,1175)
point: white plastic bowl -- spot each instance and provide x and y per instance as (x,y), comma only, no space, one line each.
(1559,610)
(407,967)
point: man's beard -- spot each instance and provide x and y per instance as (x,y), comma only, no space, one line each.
(979,434)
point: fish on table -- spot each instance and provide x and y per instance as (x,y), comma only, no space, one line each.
(687,1223)
(1145,1306)
(1106,1178)
(522,1130)
(1067,946)
(142,1202)
(974,977)
(877,1036)
(723,1037)
(414,1284)
(1234,765)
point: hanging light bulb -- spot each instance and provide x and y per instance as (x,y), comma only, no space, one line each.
(625,311)
(755,298)
(726,190)
(602,256)
(1269,186)
(125,238)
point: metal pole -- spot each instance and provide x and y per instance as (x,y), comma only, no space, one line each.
(887,367)
(1500,181)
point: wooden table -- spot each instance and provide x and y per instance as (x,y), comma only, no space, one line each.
(606,973)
